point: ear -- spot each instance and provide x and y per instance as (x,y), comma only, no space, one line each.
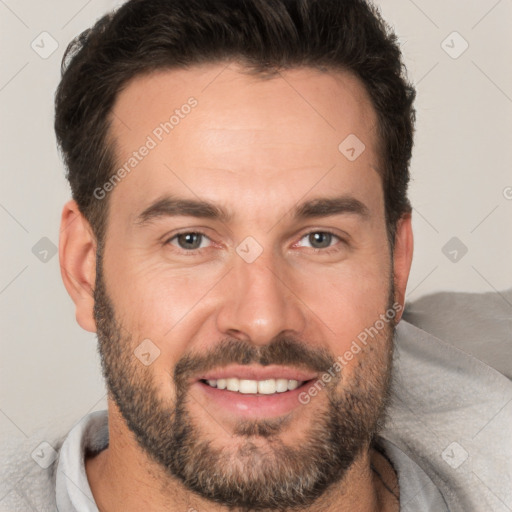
(77,255)
(402,259)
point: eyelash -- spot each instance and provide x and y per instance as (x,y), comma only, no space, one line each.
(194,252)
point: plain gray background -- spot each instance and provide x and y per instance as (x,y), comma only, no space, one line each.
(461,186)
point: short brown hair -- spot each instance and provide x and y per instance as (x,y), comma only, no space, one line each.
(266,36)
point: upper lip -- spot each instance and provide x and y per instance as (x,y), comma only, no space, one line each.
(258,373)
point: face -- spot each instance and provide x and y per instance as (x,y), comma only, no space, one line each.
(245,259)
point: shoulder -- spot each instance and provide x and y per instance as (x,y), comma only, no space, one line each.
(28,472)
(451,403)
(477,323)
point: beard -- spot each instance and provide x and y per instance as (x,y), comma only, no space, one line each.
(259,471)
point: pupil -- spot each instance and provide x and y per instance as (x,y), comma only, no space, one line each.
(190,238)
(323,239)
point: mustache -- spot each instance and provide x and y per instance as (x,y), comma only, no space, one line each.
(282,350)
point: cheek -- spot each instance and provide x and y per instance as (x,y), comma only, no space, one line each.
(157,301)
(348,300)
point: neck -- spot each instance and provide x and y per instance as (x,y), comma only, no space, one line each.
(123,477)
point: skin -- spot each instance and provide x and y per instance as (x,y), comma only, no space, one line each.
(257,148)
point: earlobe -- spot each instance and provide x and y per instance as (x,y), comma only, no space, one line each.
(77,255)
(402,258)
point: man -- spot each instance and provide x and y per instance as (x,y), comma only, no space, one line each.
(240,240)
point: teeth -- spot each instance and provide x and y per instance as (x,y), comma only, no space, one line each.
(292,384)
(262,387)
(282,385)
(232,384)
(248,386)
(267,387)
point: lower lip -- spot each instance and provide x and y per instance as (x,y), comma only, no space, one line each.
(253,405)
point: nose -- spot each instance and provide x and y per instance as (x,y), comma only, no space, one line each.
(260,303)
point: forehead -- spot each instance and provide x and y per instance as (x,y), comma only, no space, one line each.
(215,128)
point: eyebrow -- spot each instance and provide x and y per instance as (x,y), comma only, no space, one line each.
(171,206)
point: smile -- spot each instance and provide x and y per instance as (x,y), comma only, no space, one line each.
(253,391)
(261,387)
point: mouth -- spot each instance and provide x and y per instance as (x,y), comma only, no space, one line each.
(254,393)
(252,387)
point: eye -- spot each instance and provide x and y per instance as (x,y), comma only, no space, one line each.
(189,240)
(320,240)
